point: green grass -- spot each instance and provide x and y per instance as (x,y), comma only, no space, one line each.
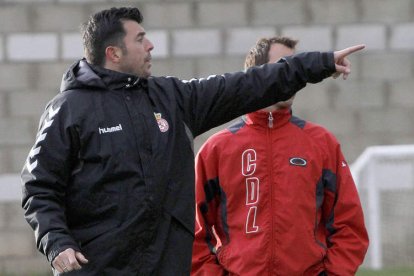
(386,272)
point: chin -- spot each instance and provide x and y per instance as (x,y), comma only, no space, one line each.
(144,75)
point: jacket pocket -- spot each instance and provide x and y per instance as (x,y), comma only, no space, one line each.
(221,254)
(86,235)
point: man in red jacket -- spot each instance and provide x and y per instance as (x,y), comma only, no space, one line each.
(274,194)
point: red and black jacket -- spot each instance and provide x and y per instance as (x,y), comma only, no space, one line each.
(275,196)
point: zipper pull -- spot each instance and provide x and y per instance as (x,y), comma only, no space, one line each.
(270,124)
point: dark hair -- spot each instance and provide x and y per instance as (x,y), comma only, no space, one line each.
(105,29)
(259,53)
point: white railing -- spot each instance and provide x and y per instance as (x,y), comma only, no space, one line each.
(377,169)
(10,187)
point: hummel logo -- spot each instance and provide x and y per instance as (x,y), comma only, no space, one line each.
(110,129)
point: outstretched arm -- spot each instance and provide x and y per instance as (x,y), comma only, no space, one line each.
(215,100)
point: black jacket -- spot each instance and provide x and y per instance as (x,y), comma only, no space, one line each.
(111,173)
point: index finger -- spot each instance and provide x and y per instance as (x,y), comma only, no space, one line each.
(347,51)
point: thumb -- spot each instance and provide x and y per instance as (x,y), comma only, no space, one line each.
(81,258)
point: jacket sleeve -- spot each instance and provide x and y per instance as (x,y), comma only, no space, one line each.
(347,236)
(212,101)
(44,179)
(204,260)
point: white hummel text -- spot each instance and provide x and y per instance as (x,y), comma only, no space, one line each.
(110,129)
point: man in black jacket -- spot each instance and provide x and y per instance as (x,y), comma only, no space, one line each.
(108,186)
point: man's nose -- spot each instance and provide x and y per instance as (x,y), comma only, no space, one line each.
(150,46)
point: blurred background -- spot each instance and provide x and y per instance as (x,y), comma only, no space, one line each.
(39,39)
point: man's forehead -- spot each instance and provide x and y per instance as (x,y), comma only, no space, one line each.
(133,26)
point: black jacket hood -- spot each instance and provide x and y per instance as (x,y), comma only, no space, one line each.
(83,75)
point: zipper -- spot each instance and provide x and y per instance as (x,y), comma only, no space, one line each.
(270,169)
(270,120)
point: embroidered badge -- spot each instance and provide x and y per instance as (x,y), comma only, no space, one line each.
(298,161)
(162,123)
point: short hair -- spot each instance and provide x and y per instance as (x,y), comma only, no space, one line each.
(259,53)
(105,28)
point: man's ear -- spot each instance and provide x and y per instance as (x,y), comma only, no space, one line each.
(113,54)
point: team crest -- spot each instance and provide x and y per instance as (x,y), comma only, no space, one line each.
(162,123)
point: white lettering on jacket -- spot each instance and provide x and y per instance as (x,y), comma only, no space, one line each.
(248,162)
(252,189)
(110,129)
(40,137)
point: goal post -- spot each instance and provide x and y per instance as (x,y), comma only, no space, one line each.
(384,176)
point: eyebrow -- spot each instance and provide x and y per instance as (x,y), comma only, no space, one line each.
(140,34)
